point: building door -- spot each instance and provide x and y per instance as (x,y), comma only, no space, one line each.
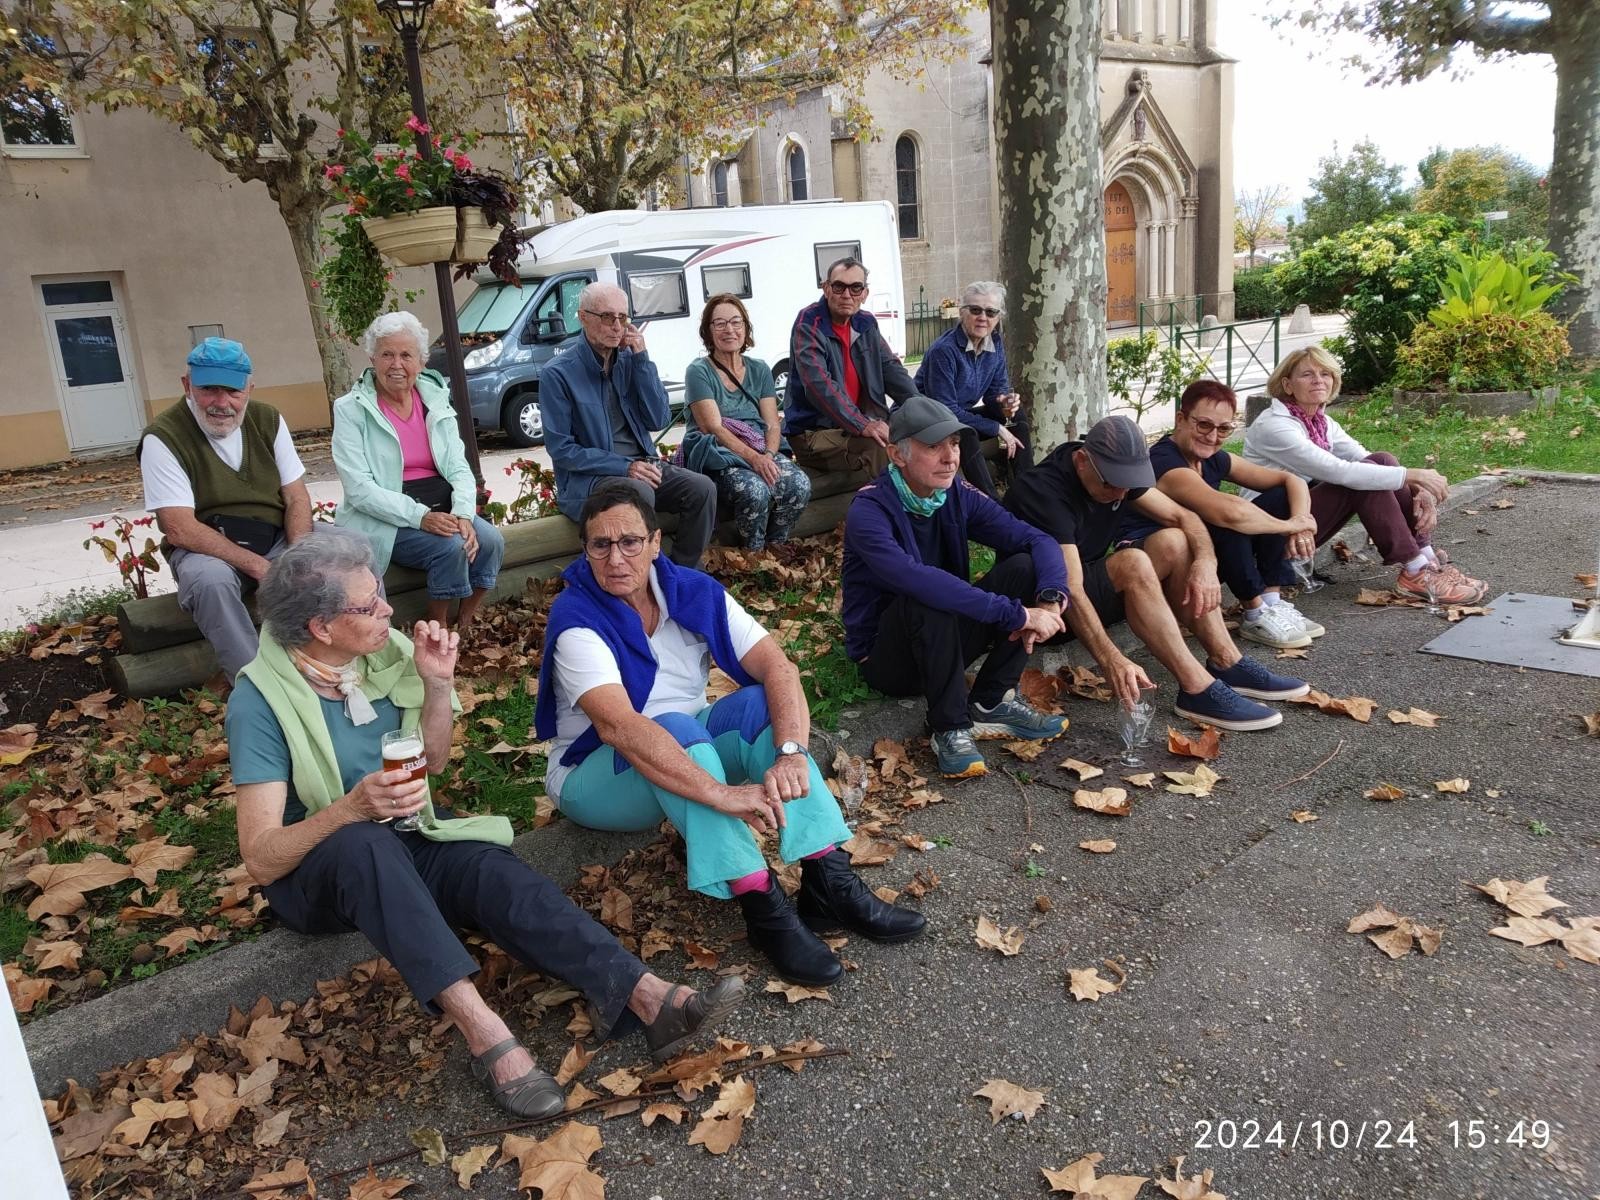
(88,348)
(1122,296)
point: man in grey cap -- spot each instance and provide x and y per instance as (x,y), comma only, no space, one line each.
(228,490)
(913,621)
(1161,584)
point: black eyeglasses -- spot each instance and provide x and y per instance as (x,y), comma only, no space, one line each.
(979,310)
(607,318)
(838,287)
(630,544)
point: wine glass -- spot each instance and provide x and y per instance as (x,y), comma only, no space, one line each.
(1430,580)
(403,751)
(1133,726)
(1308,580)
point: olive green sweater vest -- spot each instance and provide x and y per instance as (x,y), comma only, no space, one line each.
(253,490)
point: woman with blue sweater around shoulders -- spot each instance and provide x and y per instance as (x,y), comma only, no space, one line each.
(407,485)
(965,370)
(622,698)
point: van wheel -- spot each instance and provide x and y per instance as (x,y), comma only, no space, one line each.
(522,421)
(780,381)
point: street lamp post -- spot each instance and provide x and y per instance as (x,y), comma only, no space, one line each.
(408,18)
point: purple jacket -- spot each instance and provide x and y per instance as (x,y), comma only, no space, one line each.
(882,560)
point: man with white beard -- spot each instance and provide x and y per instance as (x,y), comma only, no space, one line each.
(228,492)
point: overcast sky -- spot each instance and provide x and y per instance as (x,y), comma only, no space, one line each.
(1292,101)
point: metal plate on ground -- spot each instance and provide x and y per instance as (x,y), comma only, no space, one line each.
(1520,632)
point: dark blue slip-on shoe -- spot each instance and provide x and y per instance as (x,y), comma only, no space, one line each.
(1250,678)
(1223,707)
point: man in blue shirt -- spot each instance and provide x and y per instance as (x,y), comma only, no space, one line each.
(965,370)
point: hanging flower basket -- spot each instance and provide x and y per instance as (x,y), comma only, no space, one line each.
(429,235)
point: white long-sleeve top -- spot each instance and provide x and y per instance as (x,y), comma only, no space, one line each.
(1277,439)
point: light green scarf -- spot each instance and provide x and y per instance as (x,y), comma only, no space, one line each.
(388,673)
(917,506)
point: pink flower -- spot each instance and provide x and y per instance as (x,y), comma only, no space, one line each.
(416,126)
(411,191)
(332,171)
(403,170)
(462,162)
(97,524)
(143,521)
(343,132)
(316,283)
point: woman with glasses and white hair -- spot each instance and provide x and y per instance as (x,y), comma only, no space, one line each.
(965,370)
(1254,539)
(622,697)
(306,725)
(407,484)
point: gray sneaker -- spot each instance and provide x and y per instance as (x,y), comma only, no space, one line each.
(957,754)
(1013,717)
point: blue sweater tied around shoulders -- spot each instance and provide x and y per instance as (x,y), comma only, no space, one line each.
(693,599)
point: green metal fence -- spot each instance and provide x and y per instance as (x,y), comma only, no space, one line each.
(1246,341)
(924,323)
(1170,315)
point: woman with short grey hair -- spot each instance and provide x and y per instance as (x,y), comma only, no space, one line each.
(407,483)
(965,370)
(307,725)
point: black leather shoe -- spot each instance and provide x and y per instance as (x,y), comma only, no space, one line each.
(795,953)
(832,896)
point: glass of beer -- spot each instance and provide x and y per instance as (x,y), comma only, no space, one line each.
(404,751)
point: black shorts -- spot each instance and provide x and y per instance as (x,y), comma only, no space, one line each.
(1103,597)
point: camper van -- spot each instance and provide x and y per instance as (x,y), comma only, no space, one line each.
(669,263)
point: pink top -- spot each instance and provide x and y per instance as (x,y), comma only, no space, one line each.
(413,434)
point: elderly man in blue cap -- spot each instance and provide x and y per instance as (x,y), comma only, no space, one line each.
(228,491)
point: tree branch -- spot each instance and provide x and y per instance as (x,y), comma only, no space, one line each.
(1515,35)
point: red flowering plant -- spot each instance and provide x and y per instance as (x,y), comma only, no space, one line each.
(133,563)
(536,495)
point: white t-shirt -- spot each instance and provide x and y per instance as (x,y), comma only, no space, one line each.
(167,485)
(683,664)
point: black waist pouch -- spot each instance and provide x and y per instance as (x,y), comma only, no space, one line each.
(432,490)
(256,536)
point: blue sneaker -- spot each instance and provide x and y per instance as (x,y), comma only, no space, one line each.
(1013,717)
(1223,707)
(1250,678)
(957,754)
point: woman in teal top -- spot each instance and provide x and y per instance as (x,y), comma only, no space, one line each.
(736,434)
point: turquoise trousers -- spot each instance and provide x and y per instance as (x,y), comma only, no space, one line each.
(732,742)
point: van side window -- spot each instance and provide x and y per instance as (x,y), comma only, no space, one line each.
(558,309)
(831,252)
(658,294)
(732,278)
(571,289)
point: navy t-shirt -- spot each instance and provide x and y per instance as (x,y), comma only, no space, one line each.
(1166,456)
(1051,497)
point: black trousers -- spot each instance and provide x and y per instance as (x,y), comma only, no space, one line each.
(975,468)
(1251,563)
(409,895)
(924,651)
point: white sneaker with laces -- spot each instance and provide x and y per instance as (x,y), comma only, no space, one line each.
(1311,628)
(1274,627)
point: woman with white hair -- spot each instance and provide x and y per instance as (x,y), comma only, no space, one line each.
(965,370)
(407,485)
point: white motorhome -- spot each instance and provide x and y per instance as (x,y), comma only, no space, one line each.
(668,262)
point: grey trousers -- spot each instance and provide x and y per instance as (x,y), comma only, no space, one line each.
(693,497)
(212,593)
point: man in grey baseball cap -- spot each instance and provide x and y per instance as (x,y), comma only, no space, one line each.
(1164,581)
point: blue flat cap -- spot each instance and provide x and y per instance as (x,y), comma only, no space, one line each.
(217,362)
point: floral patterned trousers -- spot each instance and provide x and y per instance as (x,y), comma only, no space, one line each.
(765,514)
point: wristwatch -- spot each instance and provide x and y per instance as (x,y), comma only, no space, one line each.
(791,747)
(1051,596)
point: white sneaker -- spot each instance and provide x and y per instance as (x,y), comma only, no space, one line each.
(1274,627)
(1311,628)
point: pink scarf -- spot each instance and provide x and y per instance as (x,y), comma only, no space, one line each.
(1316,425)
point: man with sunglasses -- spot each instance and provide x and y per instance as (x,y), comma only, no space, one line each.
(601,397)
(841,376)
(1161,586)
(965,370)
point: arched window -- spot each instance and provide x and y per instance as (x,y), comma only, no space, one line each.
(794,170)
(907,186)
(719,184)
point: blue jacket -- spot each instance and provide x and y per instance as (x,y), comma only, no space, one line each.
(816,398)
(882,560)
(577,434)
(962,380)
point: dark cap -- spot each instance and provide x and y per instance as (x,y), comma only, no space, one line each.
(1120,454)
(926,420)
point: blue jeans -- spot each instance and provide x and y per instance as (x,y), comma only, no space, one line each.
(1251,563)
(732,742)
(450,576)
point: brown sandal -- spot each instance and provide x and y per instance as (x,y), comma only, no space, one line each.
(674,1028)
(534,1094)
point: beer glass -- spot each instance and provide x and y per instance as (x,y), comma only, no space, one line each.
(404,751)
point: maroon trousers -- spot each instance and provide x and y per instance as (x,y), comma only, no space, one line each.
(1388,517)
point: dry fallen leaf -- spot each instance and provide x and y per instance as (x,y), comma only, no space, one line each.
(795,992)
(1503,502)
(1525,899)
(1085,983)
(370,1187)
(1400,932)
(1386,599)
(1079,1179)
(147,858)
(146,1115)
(1582,941)
(1293,652)
(467,1164)
(1098,846)
(1415,716)
(1198,782)
(1207,744)
(1302,815)
(1027,751)
(1384,791)
(662,1111)
(1452,785)
(62,886)
(1195,1187)
(1007,1099)
(572,1065)
(1454,612)
(1358,708)
(990,938)
(1143,779)
(559,1165)
(1530,931)
(1591,722)
(1112,801)
(1082,769)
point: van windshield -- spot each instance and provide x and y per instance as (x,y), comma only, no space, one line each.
(490,310)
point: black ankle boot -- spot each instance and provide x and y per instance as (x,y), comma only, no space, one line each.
(832,896)
(794,951)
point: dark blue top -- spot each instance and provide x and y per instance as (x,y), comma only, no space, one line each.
(883,559)
(1166,456)
(961,380)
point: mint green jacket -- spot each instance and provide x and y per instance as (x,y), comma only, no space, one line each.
(366,453)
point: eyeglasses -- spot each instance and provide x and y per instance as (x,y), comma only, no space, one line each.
(367,609)
(979,310)
(630,544)
(1212,428)
(607,318)
(722,323)
(838,287)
